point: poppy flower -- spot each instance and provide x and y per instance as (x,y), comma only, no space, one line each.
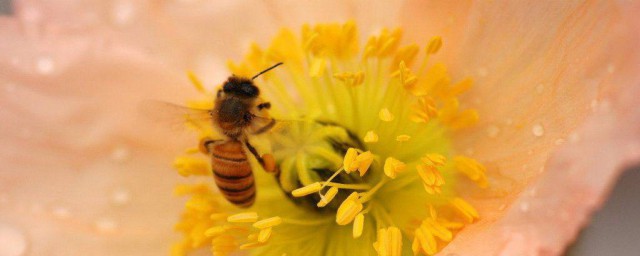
(528,108)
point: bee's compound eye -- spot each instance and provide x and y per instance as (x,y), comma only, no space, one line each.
(227,87)
(249,89)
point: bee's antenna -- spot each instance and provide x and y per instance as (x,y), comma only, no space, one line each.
(267,70)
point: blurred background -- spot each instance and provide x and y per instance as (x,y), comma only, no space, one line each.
(614,229)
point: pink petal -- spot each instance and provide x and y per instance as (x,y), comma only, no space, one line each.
(545,74)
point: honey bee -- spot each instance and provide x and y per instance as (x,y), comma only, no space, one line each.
(235,116)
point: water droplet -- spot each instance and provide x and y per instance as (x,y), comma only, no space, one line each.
(524,206)
(537,130)
(45,65)
(574,137)
(61,212)
(492,131)
(611,68)
(469,151)
(120,196)
(120,154)
(508,121)
(106,225)
(483,72)
(123,11)
(13,241)
(540,88)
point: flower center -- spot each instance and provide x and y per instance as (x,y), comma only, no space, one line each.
(363,139)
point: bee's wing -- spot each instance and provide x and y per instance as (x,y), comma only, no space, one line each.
(174,116)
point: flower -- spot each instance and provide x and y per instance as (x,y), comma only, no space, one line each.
(94,175)
(346,94)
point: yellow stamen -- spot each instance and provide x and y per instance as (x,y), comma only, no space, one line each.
(435,159)
(264,235)
(243,217)
(364,160)
(326,199)
(434,45)
(188,166)
(350,79)
(349,159)
(393,166)
(358,225)
(424,110)
(371,137)
(348,210)
(196,82)
(307,190)
(465,209)
(389,242)
(472,169)
(426,241)
(403,138)
(385,115)
(317,67)
(215,231)
(431,178)
(251,245)
(269,222)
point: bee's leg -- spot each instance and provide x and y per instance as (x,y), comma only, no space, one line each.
(264,105)
(206,144)
(266,128)
(267,161)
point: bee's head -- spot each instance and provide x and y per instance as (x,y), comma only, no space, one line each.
(242,87)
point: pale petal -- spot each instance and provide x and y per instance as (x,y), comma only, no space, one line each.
(541,71)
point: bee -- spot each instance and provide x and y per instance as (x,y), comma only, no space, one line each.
(238,112)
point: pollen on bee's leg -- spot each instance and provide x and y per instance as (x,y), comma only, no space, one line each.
(205,143)
(269,163)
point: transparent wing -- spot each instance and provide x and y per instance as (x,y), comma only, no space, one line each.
(174,116)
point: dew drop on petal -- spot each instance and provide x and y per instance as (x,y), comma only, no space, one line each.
(537,130)
(482,72)
(120,154)
(540,88)
(106,225)
(45,65)
(492,131)
(123,12)
(60,212)
(611,68)
(12,241)
(508,121)
(120,197)
(574,137)
(524,206)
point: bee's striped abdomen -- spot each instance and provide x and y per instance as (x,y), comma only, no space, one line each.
(232,173)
